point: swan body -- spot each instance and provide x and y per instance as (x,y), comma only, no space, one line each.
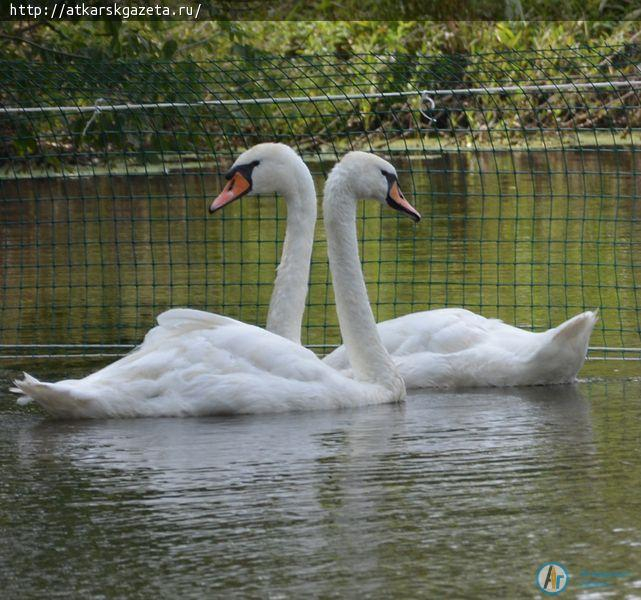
(449,347)
(453,347)
(199,363)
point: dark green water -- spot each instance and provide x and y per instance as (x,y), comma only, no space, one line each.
(460,494)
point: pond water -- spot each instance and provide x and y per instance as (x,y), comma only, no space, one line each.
(457,494)
(532,238)
(451,494)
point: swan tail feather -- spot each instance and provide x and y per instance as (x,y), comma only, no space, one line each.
(564,350)
(56,398)
(577,330)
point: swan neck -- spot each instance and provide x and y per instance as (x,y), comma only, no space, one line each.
(367,355)
(287,305)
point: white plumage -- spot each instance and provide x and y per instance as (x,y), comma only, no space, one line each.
(453,347)
(198,363)
(437,348)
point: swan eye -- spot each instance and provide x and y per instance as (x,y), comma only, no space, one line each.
(391,179)
(245,170)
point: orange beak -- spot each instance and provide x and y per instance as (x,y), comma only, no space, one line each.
(396,200)
(237,187)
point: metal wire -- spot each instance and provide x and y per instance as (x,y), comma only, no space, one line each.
(525,166)
(101,106)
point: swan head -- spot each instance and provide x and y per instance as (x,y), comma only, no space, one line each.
(267,168)
(370,176)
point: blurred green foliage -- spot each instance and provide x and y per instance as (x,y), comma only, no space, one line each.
(63,63)
(172,40)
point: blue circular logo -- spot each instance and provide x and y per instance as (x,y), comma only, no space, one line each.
(552,578)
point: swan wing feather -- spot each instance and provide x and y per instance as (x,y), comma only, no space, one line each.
(196,364)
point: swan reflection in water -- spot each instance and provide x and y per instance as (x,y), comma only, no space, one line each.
(172,454)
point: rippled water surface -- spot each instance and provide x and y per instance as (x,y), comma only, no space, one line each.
(452,494)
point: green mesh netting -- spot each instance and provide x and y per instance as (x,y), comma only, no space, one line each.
(525,166)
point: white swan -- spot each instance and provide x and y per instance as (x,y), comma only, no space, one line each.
(198,363)
(449,347)
(453,347)
(275,168)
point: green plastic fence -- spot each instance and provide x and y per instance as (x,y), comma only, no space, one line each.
(525,166)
